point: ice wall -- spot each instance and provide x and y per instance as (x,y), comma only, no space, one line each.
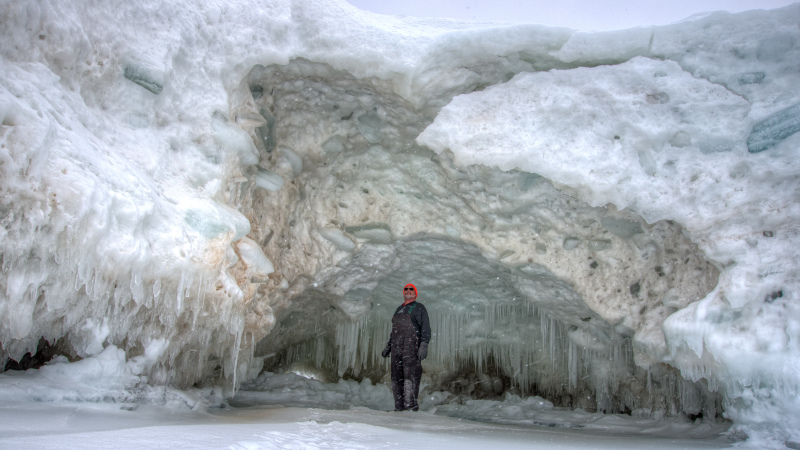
(648,154)
(121,221)
(174,175)
(692,155)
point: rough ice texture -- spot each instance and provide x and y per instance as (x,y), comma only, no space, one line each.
(293,389)
(668,139)
(506,260)
(774,129)
(131,214)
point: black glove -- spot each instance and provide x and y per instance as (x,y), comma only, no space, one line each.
(422,353)
(386,350)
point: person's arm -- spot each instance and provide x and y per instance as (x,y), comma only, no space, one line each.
(424,325)
(388,348)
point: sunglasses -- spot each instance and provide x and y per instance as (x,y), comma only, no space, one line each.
(408,289)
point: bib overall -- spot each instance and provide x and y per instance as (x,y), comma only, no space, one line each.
(406,366)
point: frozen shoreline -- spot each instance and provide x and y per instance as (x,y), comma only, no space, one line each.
(290,411)
(112,426)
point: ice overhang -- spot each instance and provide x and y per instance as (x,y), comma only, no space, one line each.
(515,271)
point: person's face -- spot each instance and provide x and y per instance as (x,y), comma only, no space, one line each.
(408,293)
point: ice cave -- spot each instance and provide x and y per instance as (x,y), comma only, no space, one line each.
(211,207)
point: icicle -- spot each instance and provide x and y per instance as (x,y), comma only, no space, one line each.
(156,288)
(543,326)
(189,283)
(552,337)
(573,367)
(90,284)
(179,294)
(77,282)
(137,289)
(236,349)
(201,295)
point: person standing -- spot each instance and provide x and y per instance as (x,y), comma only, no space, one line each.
(408,345)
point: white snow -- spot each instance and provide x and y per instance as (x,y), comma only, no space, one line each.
(342,415)
(102,426)
(192,191)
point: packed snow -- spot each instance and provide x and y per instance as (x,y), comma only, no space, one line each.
(200,200)
(346,414)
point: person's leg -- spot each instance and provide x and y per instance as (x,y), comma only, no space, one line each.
(398,382)
(417,377)
(412,372)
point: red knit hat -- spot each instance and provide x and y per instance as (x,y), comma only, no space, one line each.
(415,290)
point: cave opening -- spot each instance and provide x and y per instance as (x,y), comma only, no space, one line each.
(531,291)
(491,336)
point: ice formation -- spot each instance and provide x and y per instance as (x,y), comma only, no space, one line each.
(290,389)
(606,220)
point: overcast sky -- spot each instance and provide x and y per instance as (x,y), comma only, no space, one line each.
(578,14)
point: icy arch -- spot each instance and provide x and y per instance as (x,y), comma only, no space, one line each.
(496,329)
(517,271)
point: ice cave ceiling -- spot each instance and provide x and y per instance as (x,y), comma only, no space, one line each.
(593,218)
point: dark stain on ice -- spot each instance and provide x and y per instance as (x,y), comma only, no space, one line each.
(635,288)
(773,295)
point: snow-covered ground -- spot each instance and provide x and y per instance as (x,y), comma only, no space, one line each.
(111,426)
(290,411)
